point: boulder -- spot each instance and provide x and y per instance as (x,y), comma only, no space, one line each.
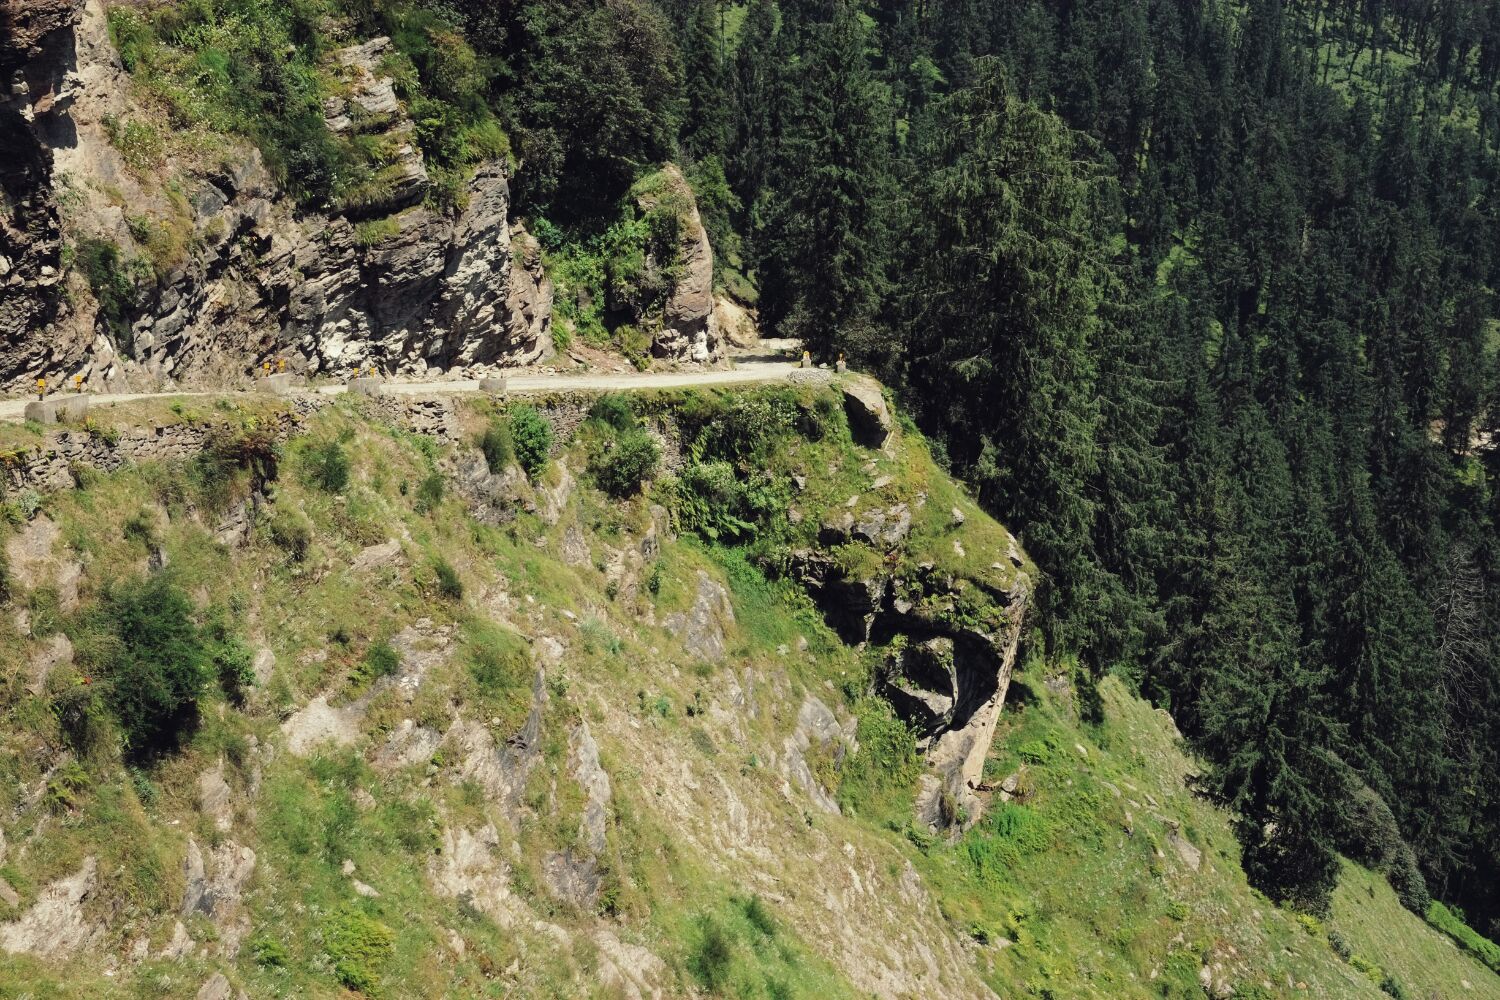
(869,418)
(690,329)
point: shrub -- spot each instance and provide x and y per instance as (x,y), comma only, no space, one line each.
(448,583)
(156,659)
(498,663)
(232,659)
(620,470)
(291,532)
(429,493)
(359,946)
(140,527)
(270,953)
(380,660)
(496,445)
(115,282)
(712,500)
(885,768)
(326,466)
(66,787)
(615,411)
(532,437)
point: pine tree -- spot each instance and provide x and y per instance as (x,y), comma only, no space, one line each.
(705,124)
(820,252)
(1000,307)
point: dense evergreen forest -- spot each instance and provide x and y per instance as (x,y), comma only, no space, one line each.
(1197,294)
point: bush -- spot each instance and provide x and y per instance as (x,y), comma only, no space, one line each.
(1391,986)
(448,583)
(615,411)
(380,660)
(66,787)
(882,773)
(712,500)
(712,955)
(115,282)
(156,659)
(140,527)
(270,953)
(359,946)
(291,532)
(498,663)
(532,437)
(233,661)
(621,469)
(496,445)
(429,493)
(326,466)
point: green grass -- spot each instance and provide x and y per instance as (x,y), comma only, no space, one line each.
(1378,928)
(1079,875)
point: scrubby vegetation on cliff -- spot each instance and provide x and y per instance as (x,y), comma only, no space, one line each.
(525,735)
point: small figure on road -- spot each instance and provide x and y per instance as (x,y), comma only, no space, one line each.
(41,388)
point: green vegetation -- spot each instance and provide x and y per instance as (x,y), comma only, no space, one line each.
(263,71)
(624,456)
(327,466)
(1100,821)
(360,946)
(495,443)
(115,281)
(1452,924)
(531,437)
(155,660)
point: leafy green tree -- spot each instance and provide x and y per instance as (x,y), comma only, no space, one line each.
(155,659)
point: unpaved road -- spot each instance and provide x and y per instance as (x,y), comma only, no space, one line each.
(744,372)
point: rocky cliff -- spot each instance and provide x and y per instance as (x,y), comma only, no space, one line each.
(196,267)
(36,59)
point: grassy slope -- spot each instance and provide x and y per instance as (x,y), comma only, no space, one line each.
(1078,891)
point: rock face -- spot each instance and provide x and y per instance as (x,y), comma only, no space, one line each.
(56,926)
(701,627)
(949,643)
(690,328)
(35,90)
(387,281)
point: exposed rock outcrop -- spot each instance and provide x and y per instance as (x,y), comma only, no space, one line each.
(36,85)
(690,328)
(56,926)
(388,281)
(869,417)
(701,627)
(949,643)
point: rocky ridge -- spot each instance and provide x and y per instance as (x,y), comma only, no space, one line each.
(228,272)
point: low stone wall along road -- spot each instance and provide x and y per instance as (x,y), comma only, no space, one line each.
(769,371)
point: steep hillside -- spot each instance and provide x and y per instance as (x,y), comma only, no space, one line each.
(431,699)
(196,192)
